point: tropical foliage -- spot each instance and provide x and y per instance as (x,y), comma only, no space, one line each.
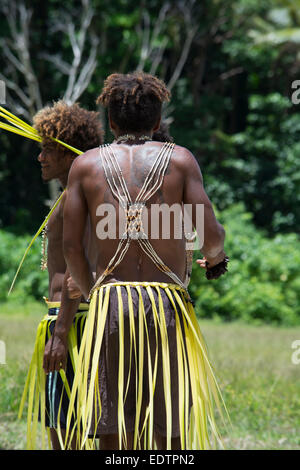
(232,67)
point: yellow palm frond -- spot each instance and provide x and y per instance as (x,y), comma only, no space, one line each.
(20,127)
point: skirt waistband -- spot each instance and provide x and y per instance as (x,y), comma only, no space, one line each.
(56,305)
(55,311)
(163,285)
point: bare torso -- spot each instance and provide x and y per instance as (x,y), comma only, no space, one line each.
(135,162)
(56,262)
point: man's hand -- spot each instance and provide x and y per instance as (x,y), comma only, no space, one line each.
(201,262)
(55,355)
(73,290)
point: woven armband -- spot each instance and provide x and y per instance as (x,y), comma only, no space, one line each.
(216,271)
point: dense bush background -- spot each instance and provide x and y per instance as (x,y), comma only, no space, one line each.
(231,106)
(262,283)
(32,283)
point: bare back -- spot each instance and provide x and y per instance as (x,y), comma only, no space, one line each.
(135,162)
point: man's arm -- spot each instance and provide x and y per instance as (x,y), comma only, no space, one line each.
(56,349)
(194,193)
(75,219)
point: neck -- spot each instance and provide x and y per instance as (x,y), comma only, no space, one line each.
(63,179)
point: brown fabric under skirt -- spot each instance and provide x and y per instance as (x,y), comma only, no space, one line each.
(109,361)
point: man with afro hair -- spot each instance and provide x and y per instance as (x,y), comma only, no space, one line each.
(143,376)
(82,130)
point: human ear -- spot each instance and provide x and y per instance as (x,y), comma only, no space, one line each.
(157,125)
(112,125)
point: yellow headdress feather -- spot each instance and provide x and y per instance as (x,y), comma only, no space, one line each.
(18,126)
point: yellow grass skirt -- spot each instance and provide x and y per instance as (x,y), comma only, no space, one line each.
(34,394)
(196,379)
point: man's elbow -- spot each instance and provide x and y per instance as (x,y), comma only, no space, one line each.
(222,233)
(216,243)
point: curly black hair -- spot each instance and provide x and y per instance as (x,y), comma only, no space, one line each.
(134,100)
(71,124)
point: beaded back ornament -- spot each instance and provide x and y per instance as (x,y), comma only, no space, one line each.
(44,257)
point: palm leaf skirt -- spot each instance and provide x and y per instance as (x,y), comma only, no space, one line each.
(40,391)
(160,364)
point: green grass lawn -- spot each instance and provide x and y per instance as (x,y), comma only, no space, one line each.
(260,384)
